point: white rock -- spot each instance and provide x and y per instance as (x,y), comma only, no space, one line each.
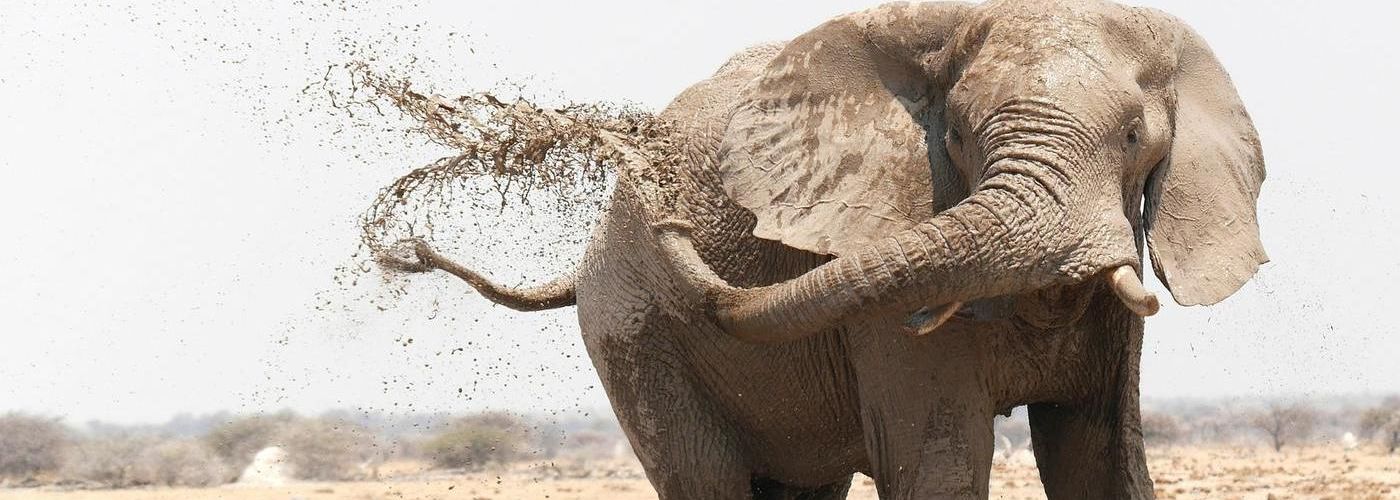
(269,468)
(1349,441)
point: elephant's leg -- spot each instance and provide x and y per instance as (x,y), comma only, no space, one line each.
(1089,451)
(926,412)
(948,455)
(686,451)
(1092,448)
(767,489)
(685,447)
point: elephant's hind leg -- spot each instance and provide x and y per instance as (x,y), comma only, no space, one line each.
(686,448)
(687,452)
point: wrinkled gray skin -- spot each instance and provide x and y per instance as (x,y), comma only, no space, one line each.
(844,189)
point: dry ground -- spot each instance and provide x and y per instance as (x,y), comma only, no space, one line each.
(1215,473)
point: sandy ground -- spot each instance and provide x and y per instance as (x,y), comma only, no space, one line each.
(1215,473)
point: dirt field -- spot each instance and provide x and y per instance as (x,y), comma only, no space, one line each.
(1215,473)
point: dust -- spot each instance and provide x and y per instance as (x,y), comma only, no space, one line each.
(506,180)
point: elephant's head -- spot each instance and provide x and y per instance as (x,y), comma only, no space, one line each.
(1073,126)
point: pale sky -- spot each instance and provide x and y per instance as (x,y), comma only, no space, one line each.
(175,207)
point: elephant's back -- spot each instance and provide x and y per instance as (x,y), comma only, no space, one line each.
(705,106)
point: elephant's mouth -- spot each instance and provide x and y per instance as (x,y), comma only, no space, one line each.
(1047,308)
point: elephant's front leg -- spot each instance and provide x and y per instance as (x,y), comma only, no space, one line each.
(927,415)
(1092,447)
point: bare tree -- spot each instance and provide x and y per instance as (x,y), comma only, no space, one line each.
(1286,423)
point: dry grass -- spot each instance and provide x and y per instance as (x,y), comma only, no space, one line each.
(1197,472)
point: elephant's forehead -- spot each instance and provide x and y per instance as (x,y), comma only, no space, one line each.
(1069,63)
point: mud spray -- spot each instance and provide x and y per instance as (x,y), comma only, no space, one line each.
(568,155)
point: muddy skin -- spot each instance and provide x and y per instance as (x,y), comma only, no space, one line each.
(754,329)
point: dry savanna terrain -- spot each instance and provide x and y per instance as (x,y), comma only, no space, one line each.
(1214,472)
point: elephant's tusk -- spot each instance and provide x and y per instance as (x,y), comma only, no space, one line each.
(926,320)
(1126,285)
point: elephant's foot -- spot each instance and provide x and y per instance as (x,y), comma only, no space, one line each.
(767,489)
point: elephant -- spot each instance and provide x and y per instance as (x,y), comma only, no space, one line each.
(877,236)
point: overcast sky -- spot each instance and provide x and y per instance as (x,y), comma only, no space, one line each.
(176,206)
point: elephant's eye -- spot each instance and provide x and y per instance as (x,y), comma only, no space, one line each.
(1133,136)
(953,136)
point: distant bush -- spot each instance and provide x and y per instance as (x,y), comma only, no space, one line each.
(1161,428)
(30,445)
(180,463)
(474,441)
(326,448)
(591,444)
(236,441)
(1382,424)
(107,460)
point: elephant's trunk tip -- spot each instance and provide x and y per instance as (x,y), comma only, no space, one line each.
(410,255)
(926,320)
(1126,285)
(552,295)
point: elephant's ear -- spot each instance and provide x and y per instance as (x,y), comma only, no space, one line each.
(839,141)
(1202,229)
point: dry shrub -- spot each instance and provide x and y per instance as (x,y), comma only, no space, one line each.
(30,445)
(180,463)
(475,441)
(237,440)
(1161,428)
(326,448)
(106,460)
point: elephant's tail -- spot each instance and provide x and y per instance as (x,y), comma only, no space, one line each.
(552,295)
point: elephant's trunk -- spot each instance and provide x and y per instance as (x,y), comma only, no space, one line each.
(1018,232)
